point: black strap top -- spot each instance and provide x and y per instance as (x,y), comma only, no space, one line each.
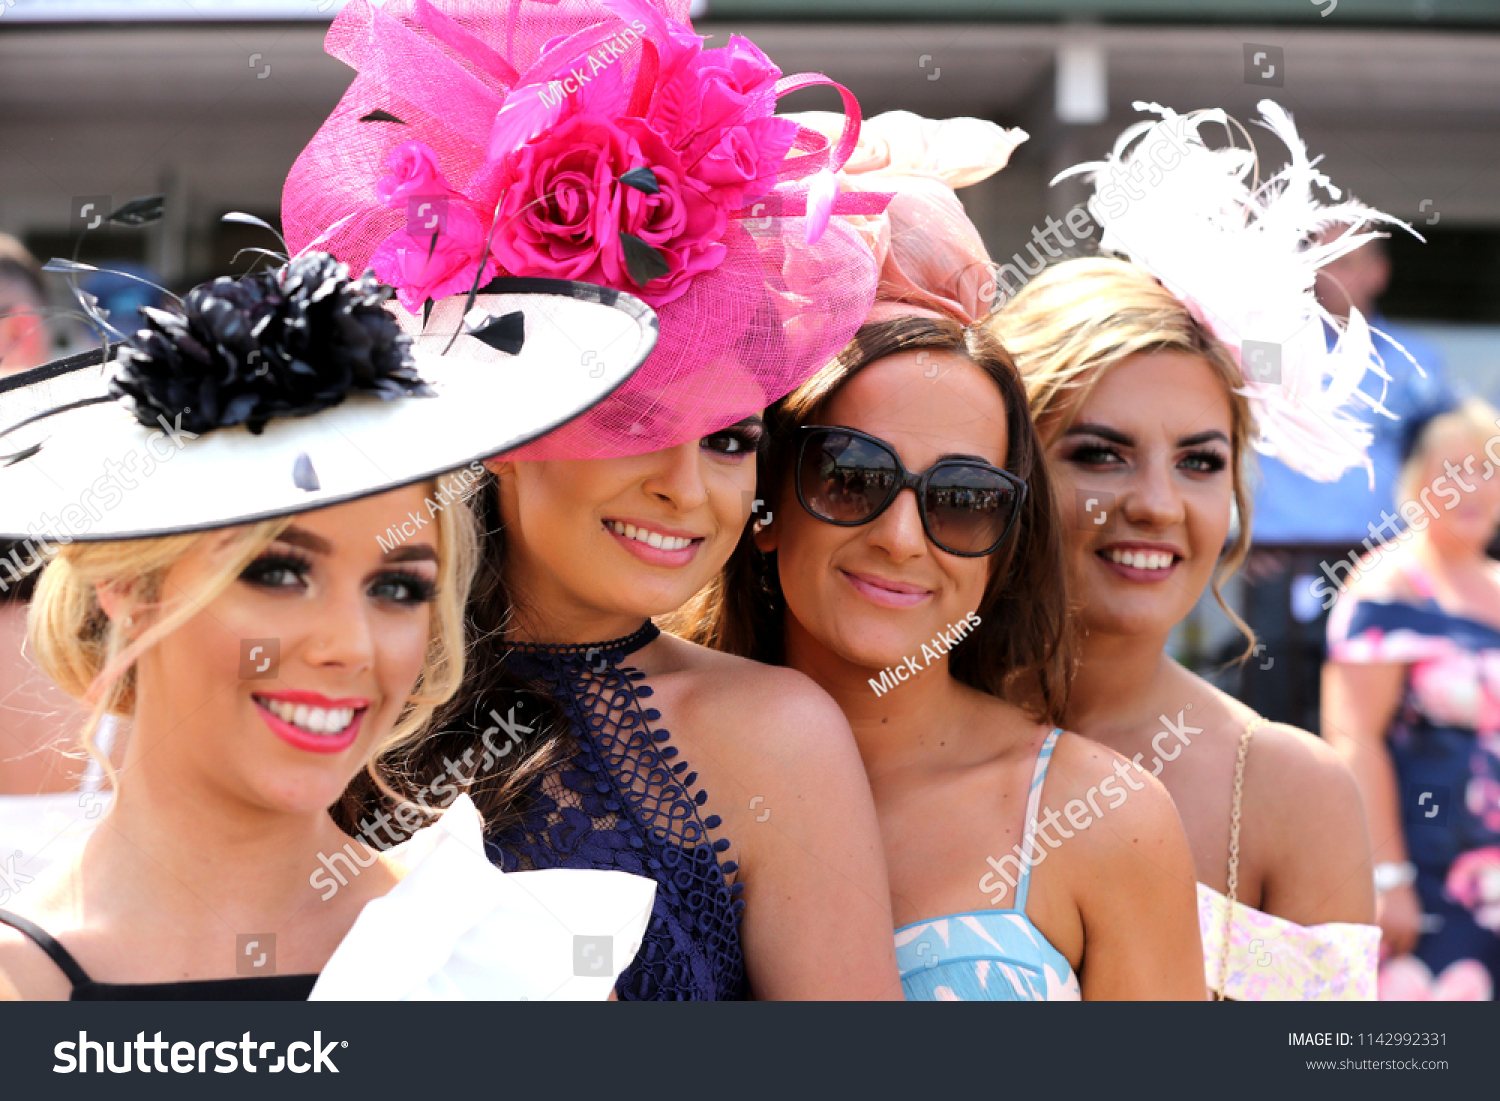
(258,988)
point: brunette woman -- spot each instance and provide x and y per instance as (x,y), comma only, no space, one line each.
(1148,417)
(937,619)
(627,749)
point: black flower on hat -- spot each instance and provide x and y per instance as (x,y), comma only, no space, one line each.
(283,343)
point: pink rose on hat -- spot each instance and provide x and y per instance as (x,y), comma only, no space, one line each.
(564,208)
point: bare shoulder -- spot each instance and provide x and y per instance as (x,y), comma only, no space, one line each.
(1090,784)
(30,971)
(1298,777)
(1382,576)
(1298,787)
(1291,764)
(760,708)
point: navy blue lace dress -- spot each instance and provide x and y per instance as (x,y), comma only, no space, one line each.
(622,802)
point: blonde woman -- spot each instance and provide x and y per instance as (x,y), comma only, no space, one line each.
(1412,701)
(1150,379)
(1148,442)
(250,612)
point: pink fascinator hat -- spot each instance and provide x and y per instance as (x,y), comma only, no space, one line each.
(932,259)
(493,145)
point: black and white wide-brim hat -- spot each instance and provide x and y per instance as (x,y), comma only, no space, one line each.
(295,390)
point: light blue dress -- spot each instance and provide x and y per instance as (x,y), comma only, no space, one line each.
(989,955)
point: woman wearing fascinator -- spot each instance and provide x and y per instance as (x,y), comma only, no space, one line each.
(938,620)
(1150,379)
(242,603)
(602,141)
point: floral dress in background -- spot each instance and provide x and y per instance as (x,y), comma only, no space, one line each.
(1445,743)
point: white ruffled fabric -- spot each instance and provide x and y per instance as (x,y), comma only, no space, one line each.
(456,928)
(1235,249)
(932,258)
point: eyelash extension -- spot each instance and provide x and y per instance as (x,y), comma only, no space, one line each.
(271,561)
(1092,452)
(423,589)
(750,437)
(1212,459)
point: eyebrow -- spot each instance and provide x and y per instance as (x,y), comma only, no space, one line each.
(419,552)
(301,537)
(1114,435)
(408,552)
(1203,437)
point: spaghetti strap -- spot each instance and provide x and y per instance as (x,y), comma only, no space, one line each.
(43,940)
(1233,884)
(1033,805)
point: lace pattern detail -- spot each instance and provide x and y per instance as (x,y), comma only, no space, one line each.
(623,802)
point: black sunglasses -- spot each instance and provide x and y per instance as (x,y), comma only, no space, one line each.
(847,477)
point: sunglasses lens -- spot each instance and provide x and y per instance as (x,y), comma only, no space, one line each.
(843,478)
(968,508)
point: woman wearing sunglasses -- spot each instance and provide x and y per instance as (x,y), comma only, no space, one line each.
(911,566)
(228,582)
(1135,381)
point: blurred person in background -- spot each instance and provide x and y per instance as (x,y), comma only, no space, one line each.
(1411,698)
(23,306)
(39,781)
(1301,523)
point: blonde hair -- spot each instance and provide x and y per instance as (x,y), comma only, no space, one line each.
(92,658)
(1477,417)
(1080,318)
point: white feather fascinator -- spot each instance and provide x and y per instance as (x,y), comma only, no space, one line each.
(1242,255)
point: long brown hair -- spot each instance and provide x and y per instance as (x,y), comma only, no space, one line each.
(455,755)
(1022,649)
